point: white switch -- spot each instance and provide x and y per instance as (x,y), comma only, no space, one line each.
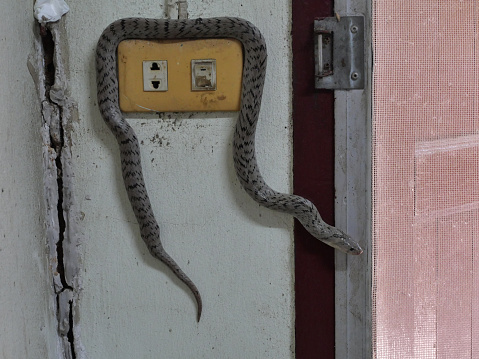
(203,75)
(155,75)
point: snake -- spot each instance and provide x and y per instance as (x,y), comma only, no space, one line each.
(244,156)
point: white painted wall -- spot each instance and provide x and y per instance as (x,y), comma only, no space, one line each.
(26,310)
(239,255)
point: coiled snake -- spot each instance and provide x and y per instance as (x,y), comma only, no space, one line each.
(244,138)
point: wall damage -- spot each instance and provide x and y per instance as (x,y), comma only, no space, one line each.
(47,67)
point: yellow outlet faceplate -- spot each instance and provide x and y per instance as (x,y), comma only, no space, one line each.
(179,97)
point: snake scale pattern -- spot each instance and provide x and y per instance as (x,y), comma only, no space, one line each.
(244,138)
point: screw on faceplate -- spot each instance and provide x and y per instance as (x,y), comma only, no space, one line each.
(354,76)
(354,29)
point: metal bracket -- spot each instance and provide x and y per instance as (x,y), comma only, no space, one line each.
(339,53)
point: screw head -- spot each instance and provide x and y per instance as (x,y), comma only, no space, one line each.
(354,76)
(354,29)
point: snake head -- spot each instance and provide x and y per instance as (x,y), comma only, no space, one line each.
(343,242)
(355,249)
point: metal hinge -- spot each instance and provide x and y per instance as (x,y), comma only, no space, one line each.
(339,53)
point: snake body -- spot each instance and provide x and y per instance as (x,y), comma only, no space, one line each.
(244,138)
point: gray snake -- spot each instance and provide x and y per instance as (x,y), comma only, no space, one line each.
(244,137)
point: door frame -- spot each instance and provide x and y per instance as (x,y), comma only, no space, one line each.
(332,167)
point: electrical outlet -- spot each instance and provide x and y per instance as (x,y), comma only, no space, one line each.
(203,75)
(173,91)
(155,75)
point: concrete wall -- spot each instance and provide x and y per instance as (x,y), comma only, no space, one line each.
(27,323)
(239,254)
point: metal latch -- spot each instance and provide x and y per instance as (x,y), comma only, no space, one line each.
(339,53)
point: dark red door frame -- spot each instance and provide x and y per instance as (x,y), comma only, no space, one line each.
(313,126)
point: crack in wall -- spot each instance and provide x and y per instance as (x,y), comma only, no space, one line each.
(47,67)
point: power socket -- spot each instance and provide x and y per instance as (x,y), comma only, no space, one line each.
(155,75)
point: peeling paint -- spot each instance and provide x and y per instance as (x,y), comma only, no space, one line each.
(49,10)
(47,67)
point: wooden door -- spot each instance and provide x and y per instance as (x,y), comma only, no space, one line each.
(313,126)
